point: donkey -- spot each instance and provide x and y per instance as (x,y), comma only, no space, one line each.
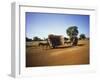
(44,45)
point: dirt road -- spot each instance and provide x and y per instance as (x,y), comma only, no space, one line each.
(36,56)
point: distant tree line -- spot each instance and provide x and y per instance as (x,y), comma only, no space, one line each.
(72,32)
(36,38)
(28,39)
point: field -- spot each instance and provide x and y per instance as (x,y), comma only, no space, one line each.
(63,55)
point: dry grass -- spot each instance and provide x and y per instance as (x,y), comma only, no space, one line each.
(64,55)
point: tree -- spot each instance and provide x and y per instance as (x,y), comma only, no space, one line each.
(72,32)
(36,38)
(82,36)
(28,39)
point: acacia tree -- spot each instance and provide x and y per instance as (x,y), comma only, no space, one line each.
(82,36)
(36,38)
(72,32)
(28,39)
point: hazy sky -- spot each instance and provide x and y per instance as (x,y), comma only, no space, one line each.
(43,24)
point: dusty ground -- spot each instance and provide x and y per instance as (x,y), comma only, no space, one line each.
(64,55)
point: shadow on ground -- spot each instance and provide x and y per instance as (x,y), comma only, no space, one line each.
(68,46)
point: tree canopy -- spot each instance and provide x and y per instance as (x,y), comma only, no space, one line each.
(28,39)
(36,38)
(72,31)
(82,36)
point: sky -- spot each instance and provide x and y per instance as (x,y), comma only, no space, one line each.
(43,24)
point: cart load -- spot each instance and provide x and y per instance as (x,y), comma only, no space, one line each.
(56,40)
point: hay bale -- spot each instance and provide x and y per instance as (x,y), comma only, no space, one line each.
(56,40)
